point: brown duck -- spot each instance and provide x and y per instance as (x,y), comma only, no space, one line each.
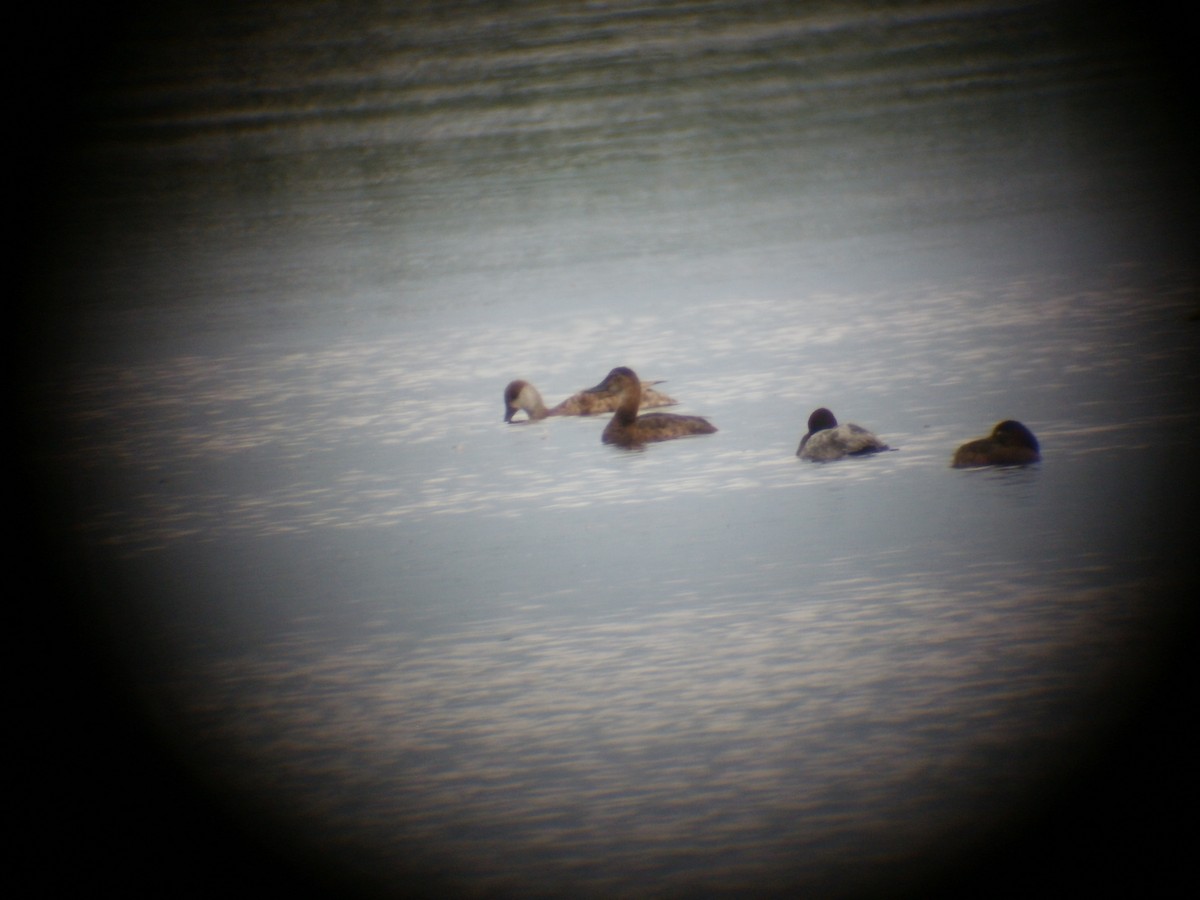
(603,398)
(627,429)
(1009,444)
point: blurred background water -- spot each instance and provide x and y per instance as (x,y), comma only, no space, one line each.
(337,619)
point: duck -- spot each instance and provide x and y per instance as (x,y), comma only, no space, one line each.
(603,398)
(627,429)
(1009,444)
(826,440)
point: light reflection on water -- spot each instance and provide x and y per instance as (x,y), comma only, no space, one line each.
(837,726)
(549,660)
(311,249)
(372,432)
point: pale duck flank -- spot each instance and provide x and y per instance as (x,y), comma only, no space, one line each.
(826,440)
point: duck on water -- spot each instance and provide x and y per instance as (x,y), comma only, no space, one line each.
(603,398)
(627,429)
(1009,444)
(826,440)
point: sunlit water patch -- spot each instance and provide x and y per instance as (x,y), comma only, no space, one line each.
(515,654)
(371,432)
(818,731)
(292,263)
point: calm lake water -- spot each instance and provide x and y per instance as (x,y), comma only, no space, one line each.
(395,641)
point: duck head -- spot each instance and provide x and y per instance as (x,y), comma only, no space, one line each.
(820,420)
(1011,433)
(519,395)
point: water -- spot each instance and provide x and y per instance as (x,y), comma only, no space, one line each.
(412,642)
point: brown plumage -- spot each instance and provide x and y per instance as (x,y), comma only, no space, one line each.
(602,398)
(627,429)
(1009,444)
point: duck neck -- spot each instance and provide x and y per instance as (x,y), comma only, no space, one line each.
(531,401)
(627,410)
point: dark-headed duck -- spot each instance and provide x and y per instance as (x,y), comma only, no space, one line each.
(627,429)
(1009,444)
(827,440)
(602,398)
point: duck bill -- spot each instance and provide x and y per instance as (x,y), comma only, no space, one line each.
(509,413)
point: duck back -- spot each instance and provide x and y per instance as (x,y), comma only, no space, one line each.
(1009,444)
(603,398)
(654,427)
(836,443)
